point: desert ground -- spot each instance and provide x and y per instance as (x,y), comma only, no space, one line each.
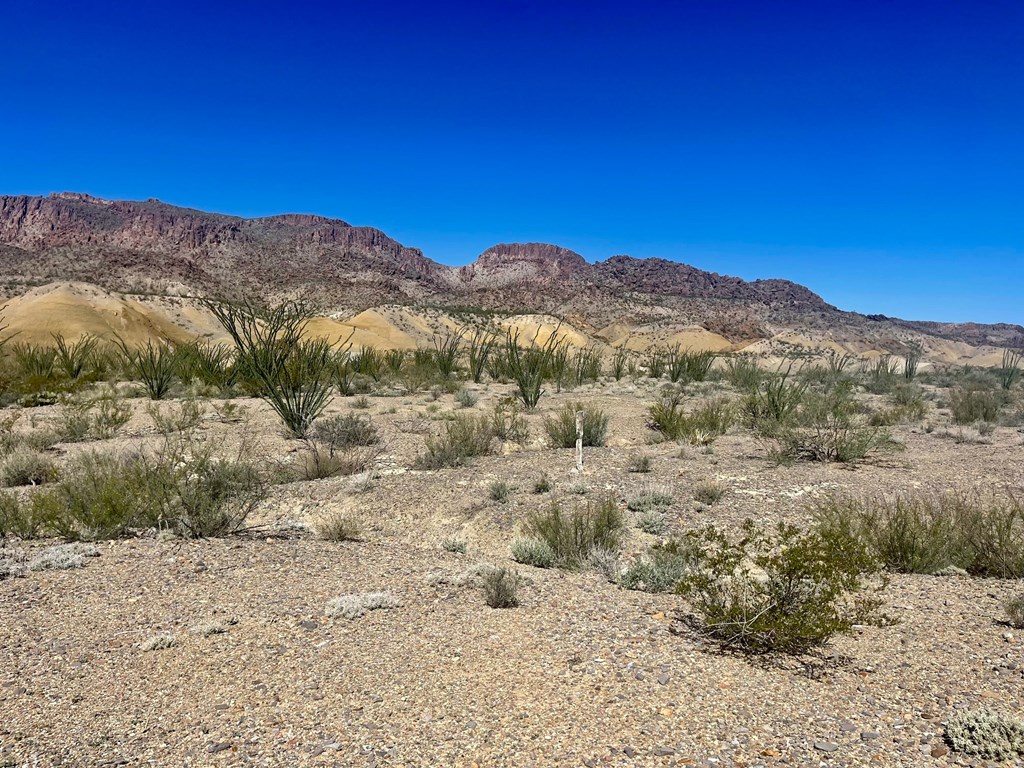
(581,672)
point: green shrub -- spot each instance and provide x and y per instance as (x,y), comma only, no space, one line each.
(479,349)
(652,520)
(773,402)
(19,519)
(701,426)
(542,485)
(744,373)
(826,426)
(651,498)
(501,587)
(183,418)
(586,364)
(620,358)
(154,364)
(926,534)
(789,591)
(533,552)
(527,367)
(508,424)
(971,404)
(97,417)
(462,438)
(573,536)
(27,467)
(660,569)
(75,359)
(687,366)
(985,734)
(561,427)
(455,546)
(1009,371)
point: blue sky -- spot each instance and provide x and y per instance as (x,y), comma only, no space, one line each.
(873,151)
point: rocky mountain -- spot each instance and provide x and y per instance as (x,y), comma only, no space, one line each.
(156,248)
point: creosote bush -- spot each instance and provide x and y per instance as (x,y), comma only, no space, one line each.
(784,591)
(701,426)
(970,404)
(561,427)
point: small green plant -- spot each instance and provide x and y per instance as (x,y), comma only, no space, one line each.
(743,373)
(345,431)
(1015,611)
(653,520)
(499,490)
(785,591)
(508,424)
(542,485)
(446,353)
(362,402)
(465,398)
(573,536)
(708,492)
(1010,369)
(75,358)
(661,569)
(701,426)
(620,359)
(535,552)
(561,427)
(501,587)
(526,367)
(455,546)
(985,734)
(639,463)
(183,418)
(337,526)
(154,364)
(479,349)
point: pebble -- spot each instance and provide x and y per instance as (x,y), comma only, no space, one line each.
(826,746)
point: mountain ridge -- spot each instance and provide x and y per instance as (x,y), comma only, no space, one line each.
(122,245)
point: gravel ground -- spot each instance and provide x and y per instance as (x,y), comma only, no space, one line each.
(581,673)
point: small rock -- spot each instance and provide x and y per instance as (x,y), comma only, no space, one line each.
(215,748)
(940,750)
(629,751)
(661,751)
(663,679)
(869,735)
(826,746)
(308,625)
(847,727)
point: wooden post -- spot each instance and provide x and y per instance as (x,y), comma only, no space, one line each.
(579,441)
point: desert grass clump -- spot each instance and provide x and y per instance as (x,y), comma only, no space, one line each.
(501,587)
(358,605)
(20,519)
(784,591)
(542,485)
(1014,608)
(24,466)
(96,417)
(981,534)
(337,526)
(535,552)
(573,536)
(160,642)
(12,564)
(660,569)
(651,498)
(345,431)
(561,427)
(209,629)
(463,437)
(986,734)
(185,417)
(453,545)
(499,491)
(639,463)
(708,492)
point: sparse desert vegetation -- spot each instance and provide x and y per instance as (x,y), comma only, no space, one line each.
(296,518)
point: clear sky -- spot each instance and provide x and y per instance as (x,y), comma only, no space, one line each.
(871,150)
